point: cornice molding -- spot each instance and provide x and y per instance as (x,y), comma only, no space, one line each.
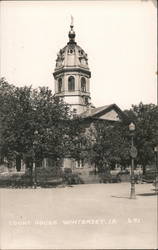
(67,70)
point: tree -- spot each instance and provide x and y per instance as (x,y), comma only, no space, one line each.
(77,140)
(110,144)
(6,116)
(145,117)
(23,112)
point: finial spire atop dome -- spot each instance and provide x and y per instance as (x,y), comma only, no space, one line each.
(72,22)
(72,32)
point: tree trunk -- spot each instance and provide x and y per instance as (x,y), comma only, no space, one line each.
(18,163)
(29,166)
(95,169)
(144,169)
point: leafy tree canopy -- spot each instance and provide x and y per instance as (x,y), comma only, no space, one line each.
(145,117)
(25,110)
(112,142)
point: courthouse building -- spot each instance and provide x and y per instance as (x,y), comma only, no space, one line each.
(72,84)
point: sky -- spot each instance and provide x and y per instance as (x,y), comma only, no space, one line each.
(119,36)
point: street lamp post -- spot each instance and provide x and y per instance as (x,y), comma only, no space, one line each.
(133,153)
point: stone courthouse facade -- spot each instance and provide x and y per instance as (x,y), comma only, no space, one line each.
(72,85)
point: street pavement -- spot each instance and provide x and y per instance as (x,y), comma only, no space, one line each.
(89,216)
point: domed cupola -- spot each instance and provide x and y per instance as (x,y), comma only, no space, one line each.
(72,75)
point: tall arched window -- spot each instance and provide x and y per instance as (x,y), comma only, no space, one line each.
(83,84)
(59,85)
(71,83)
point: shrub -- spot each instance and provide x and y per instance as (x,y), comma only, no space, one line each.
(71,178)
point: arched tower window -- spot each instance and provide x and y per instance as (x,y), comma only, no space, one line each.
(83,84)
(59,85)
(71,83)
